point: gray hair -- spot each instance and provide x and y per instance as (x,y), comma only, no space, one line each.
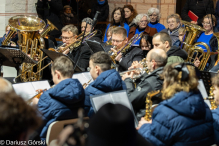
(70,28)
(88,20)
(138,18)
(5,86)
(156,10)
(174,16)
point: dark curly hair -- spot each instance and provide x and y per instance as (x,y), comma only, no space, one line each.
(16,116)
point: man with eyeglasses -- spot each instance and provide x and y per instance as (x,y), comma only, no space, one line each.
(156,59)
(173,22)
(119,39)
(105,79)
(154,15)
(81,53)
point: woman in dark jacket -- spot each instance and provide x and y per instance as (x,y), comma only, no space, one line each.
(183,118)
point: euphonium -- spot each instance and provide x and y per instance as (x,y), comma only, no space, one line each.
(7,38)
(49,27)
(192,31)
(211,99)
(197,52)
(30,42)
(148,111)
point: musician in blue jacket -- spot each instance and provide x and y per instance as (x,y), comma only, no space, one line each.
(215,113)
(62,101)
(183,118)
(105,79)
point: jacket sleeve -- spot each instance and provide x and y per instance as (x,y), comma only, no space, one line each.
(185,10)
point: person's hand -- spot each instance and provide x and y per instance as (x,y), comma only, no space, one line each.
(66,51)
(194,22)
(135,64)
(128,75)
(142,122)
(64,135)
(118,57)
(197,62)
(35,101)
(114,50)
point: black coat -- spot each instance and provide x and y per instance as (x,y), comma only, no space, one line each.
(135,54)
(104,9)
(51,11)
(148,83)
(176,51)
(199,7)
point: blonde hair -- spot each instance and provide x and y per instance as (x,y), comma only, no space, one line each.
(172,81)
(182,30)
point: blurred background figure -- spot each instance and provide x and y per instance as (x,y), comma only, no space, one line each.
(146,44)
(155,16)
(67,16)
(130,13)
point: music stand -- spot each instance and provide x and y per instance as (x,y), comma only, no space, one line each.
(96,47)
(13,57)
(206,77)
(53,55)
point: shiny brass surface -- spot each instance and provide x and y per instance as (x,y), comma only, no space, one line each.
(49,27)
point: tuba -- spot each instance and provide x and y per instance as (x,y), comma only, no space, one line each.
(30,42)
(192,32)
(49,27)
(7,38)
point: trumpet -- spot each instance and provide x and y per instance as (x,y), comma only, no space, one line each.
(86,84)
(138,72)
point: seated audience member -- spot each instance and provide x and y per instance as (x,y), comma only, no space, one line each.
(207,36)
(163,41)
(173,22)
(130,13)
(183,118)
(98,36)
(182,33)
(141,21)
(124,61)
(118,19)
(199,8)
(155,15)
(156,60)
(62,101)
(18,120)
(146,44)
(68,17)
(215,113)
(5,86)
(105,79)
(108,44)
(113,125)
(81,53)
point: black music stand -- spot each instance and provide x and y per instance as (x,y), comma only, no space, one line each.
(53,55)
(206,77)
(13,57)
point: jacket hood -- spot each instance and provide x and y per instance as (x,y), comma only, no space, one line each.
(108,81)
(176,51)
(68,91)
(189,104)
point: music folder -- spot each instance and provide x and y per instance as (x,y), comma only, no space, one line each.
(192,16)
(83,78)
(27,90)
(117,97)
(53,55)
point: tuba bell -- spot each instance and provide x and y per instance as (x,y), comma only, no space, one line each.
(30,42)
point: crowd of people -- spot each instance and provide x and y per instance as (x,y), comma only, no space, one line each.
(152,57)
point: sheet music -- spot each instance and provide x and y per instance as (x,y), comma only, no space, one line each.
(28,90)
(83,77)
(203,91)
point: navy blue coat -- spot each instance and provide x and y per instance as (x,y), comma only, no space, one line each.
(107,81)
(215,114)
(183,120)
(61,103)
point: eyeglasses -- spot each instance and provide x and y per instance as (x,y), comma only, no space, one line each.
(143,21)
(168,22)
(206,23)
(117,41)
(66,38)
(88,68)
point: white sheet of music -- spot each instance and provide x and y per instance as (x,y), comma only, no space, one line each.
(83,77)
(203,91)
(28,90)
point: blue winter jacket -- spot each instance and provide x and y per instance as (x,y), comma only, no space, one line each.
(107,81)
(183,120)
(215,114)
(60,103)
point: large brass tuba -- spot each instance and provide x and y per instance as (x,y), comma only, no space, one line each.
(49,27)
(30,42)
(192,31)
